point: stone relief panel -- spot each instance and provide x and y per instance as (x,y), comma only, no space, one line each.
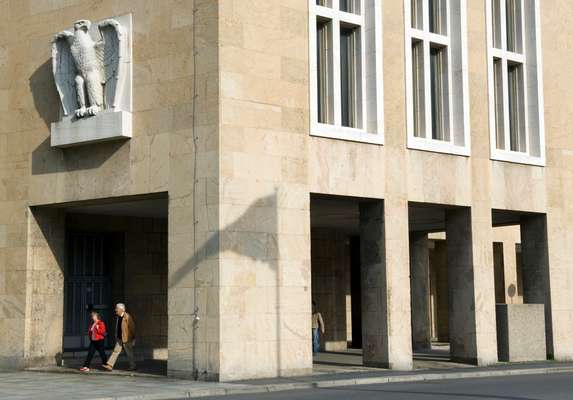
(92,68)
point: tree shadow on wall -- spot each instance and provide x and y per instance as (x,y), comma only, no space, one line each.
(261,245)
(253,235)
(46,159)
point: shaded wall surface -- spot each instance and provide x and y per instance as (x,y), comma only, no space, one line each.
(330,259)
(139,276)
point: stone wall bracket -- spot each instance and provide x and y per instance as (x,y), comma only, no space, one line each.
(104,127)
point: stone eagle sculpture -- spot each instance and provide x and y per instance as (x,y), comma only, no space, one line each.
(88,72)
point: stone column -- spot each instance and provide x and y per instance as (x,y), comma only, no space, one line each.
(420,291)
(471,287)
(264,219)
(193,334)
(44,323)
(535,269)
(386,328)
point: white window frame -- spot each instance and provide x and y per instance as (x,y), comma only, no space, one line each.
(372,98)
(459,121)
(530,64)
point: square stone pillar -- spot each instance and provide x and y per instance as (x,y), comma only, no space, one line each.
(420,291)
(471,292)
(44,313)
(386,328)
(535,269)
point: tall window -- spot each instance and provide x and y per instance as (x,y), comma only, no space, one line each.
(436,77)
(346,69)
(515,81)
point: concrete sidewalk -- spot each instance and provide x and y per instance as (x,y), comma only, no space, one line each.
(49,385)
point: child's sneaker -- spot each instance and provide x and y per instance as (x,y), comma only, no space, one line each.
(84,369)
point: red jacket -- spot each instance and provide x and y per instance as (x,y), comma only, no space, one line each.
(97,331)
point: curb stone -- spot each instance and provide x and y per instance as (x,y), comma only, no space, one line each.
(279,387)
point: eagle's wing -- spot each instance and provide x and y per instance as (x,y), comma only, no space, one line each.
(64,71)
(110,51)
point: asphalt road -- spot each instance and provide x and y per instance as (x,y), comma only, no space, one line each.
(529,387)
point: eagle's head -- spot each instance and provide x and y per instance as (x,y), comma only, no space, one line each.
(82,24)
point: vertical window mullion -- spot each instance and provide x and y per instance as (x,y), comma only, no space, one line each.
(350,91)
(417,91)
(497,68)
(505,85)
(428,133)
(524,82)
(436,83)
(352,77)
(362,104)
(323,67)
(450,119)
(336,89)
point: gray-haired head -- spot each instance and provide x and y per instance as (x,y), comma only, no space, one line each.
(119,309)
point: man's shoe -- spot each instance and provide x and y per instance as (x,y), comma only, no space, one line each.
(84,369)
(132,368)
(107,367)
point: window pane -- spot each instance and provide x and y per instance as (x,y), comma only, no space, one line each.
(323,59)
(351,6)
(516,108)
(438,74)
(324,3)
(348,78)
(513,23)
(498,99)
(496,23)
(437,9)
(418,88)
(417,14)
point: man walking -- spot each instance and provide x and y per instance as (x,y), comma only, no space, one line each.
(124,338)
(317,329)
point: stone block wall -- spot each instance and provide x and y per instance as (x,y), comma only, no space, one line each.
(263,199)
(175,96)
(146,285)
(221,122)
(521,332)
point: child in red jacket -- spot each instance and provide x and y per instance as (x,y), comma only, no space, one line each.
(96,332)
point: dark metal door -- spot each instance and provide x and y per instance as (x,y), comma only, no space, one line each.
(87,286)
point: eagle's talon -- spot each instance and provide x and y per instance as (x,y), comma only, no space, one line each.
(93,110)
(81,112)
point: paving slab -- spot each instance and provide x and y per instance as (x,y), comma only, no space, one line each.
(119,386)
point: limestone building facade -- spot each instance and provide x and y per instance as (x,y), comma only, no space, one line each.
(386,158)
